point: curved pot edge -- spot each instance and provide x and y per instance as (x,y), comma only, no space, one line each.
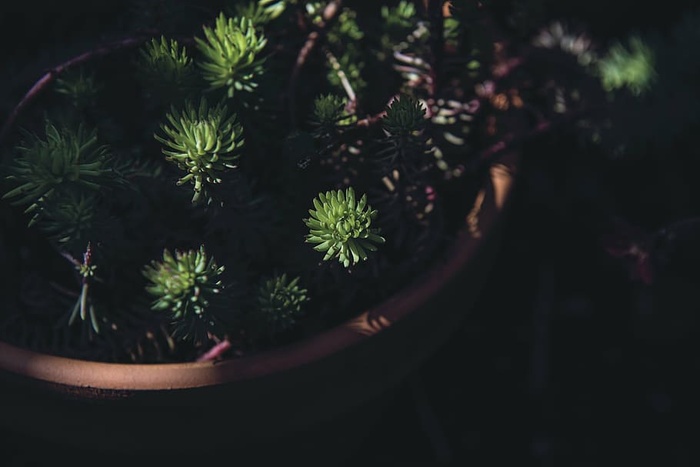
(488,210)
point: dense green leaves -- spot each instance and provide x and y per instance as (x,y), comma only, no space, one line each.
(187,285)
(231,51)
(629,66)
(165,68)
(62,160)
(340,226)
(203,141)
(279,303)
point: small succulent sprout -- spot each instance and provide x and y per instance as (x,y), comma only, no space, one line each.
(165,67)
(340,226)
(231,54)
(65,159)
(84,307)
(329,111)
(631,67)
(69,219)
(203,141)
(187,285)
(279,303)
(79,87)
(405,116)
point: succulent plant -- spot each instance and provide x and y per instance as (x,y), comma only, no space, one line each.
(203,141)
(231,52)
(404,116)
(328,110)
(61,160)
(340,226)
(279,303)
(187,286)
(165,68)
(79,87)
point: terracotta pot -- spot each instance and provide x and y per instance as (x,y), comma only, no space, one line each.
(315,397)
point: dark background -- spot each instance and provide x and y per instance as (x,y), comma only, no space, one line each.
(558,364)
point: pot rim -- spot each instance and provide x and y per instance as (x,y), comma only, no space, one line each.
(488,211)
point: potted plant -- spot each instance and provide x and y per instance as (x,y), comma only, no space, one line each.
(266,221)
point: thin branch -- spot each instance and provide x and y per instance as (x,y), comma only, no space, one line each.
(215,352)
(370,120)
(335,64)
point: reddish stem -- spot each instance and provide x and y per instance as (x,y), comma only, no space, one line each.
(215,352)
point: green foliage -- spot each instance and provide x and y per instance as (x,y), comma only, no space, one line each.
(260,12)
(405,150)
(659,112)
(347,30)
(231,54)
(329,113)
(340,227)
(71,219)
(79,87)
(398,22)
(279,303)
(84,306)
(64,159)
(344,54)
(269,109)
(405,44)
(404,116)
(451,31)
(328,110)
(165,68)
(188,287)
(630,67)
(202,141)
(400,19)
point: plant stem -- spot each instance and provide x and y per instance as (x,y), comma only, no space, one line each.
(215,352)
(335,64)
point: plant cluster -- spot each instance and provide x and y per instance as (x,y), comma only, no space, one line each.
(268,174)
(207,202)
